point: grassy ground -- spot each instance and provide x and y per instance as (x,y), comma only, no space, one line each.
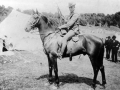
(28,70)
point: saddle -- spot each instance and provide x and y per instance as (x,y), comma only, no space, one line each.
(74,38)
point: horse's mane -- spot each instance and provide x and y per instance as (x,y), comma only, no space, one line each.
(50,21)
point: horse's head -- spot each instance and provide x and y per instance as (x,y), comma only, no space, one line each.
(41,22)
(33,21)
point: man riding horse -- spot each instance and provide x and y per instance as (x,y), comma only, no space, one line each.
(71,28)
(92,45)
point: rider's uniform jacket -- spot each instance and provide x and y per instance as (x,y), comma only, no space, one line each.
(72,21)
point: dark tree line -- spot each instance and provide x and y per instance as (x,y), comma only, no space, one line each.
(101,19)
(91,19)
(4,12)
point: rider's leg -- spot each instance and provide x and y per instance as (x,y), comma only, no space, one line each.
(67,37)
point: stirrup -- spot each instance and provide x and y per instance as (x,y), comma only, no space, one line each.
(70,58)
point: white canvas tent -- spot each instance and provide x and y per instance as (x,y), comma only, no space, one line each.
(13,27)
(14,24)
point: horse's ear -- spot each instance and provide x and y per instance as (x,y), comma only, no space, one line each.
(33,12)
(37,11)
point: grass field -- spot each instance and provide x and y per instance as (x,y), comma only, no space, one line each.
(28,70)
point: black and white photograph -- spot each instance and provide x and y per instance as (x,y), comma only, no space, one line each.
(59,44)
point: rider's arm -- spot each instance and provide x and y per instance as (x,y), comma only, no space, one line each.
(70,22)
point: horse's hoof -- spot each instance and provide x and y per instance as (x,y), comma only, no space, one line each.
(104,86)
(104,82)
(93,86)
(54,86)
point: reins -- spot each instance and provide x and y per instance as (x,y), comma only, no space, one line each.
(55,32)
(44,35)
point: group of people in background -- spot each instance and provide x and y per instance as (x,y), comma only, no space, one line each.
(112,47)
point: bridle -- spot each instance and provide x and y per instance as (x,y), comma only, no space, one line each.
(37,19)
(55,32)
(34,23)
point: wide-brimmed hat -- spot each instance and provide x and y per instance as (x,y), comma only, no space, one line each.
(71,4)
(108,36)
(113,36)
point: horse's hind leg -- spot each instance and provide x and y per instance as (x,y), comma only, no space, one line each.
(55,66)
(102,66)
(95,70)
(103,75)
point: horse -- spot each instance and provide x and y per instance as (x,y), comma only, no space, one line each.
(86,44)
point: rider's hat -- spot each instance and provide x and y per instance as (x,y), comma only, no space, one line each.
(113,36)
(108,36)
(71,4)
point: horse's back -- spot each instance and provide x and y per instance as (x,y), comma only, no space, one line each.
(76,44)
(86,44)
(94,38)
(93,44)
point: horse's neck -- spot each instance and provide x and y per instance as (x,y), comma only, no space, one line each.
(45,32)
(45,29)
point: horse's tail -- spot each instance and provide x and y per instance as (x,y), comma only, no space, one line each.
(103,40)
(101,54)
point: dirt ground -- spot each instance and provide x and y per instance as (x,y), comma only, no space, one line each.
(28,70)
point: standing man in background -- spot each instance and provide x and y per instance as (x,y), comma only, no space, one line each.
(108,46)
(115,47)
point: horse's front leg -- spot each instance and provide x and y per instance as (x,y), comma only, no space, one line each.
(56,71)
(50,65)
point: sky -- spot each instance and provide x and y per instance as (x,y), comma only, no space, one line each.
(82,6)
